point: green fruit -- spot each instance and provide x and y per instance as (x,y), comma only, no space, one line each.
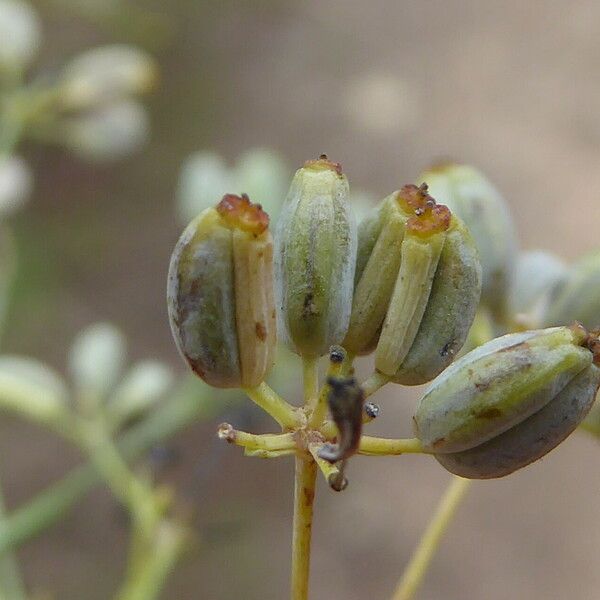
(315,257)
(510,401)
(220,294)
(533,438)
(417,287)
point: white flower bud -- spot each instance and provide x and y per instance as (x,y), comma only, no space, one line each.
(204,177)
(31,388)
(536,275)
(263,175)
(106,74)
(96,360)
(20,34)
(143,385)
(259,173)
(109,133)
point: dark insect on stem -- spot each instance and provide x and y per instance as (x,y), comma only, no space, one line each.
(345,399)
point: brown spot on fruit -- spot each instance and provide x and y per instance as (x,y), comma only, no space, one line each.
(308,309)
(488,413)
(261,332)
(309,496)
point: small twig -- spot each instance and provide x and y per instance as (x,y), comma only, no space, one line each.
(146,582)
(374,382)
(269,453)
(271,442)
(333,473)
(304,495)
(375,446)
(51,504)
(417,567)
(310,377)
(274,405)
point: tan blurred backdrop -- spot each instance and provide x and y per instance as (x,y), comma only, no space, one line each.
(383,87)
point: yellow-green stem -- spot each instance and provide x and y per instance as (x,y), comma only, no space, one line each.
(332,472)
(146,581)
(135,494)
(388,446)
(271,442)
(305,480)
(310,378)
(421,558)
(320,411)
(348,364)
(273,404)
(374,382)
(304,494)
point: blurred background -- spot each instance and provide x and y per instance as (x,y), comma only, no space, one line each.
(384,87)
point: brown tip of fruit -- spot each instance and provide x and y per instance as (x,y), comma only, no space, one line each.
(432,220)
(239,212)
(413,198)
(592,343)
(322,163)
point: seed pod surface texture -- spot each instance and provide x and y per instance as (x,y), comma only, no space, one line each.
(510,401)
(315,257)
(220,294)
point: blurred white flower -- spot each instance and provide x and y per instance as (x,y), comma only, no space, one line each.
(106,74)
(536,274)
(108,133)
(259,172)
(16,183)
(205,178)
(380,104)
(96,361)
(264,176)
(146,383)
(31,388)
(20,34)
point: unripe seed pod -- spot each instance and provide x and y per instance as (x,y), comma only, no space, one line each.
(450,309)
(469,195)
(315,255)
(418,282)
(577,296)
(220,294)
(531,439)
(510,401)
